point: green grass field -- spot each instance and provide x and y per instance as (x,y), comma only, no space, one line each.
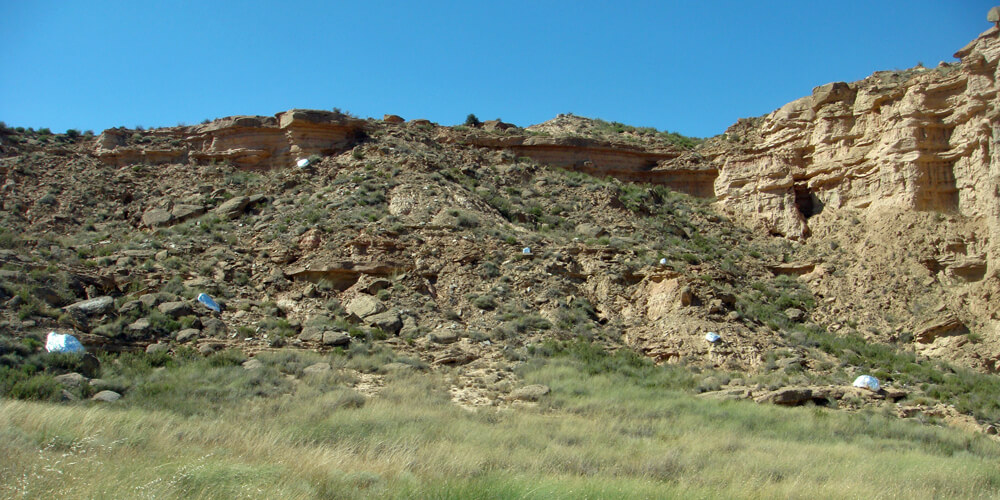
(612,427)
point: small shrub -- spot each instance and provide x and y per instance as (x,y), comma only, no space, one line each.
(485,302)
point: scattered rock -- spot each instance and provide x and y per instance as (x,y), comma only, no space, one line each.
(590,230)
(455,357)
(311,333)
(364,305)
(213,327)
(389,322)
(151,300)
(232,208)
(176,309)
(71,379)
(443,336)
(93,307)
(209,347)
(410,327)
(140,326)
(187,335)
(727,394)
(128,307)
(796,315)
(941,327)
(156,217)
(157,348)
(180,213)
(788,396)
(530,393)
(378,285)
(332,338)
(106,396)
(253,364)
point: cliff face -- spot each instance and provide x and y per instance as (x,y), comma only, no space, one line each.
(921,140)
(251,142)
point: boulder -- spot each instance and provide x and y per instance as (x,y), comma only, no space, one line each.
(378,285)
(389,322)
(497,125)
(442,336)
(213,327)
(181,213)
(139,326)
(941,327)
(71,379)
(455,357)
(210,347)
(176,309)
(393,119)
(157,348)
(187,335)
(107,396)
(590,230)
(530,392)
(93,307)
(364,305)
(787,396)
(311,333)
(333,338)
(233,207)
(132,305)
(156,217)
(795,314)
(152,300)
(253,364)
(410,327)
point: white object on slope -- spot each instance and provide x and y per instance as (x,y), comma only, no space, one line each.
(712,337)
(58,342)
(303,162)
(211,304)
(867,382)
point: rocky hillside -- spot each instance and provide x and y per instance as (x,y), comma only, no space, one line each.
(849,232)
(898,171)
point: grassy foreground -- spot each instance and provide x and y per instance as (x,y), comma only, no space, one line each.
(611,428)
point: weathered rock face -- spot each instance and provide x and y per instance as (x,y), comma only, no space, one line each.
(919,139)
(246,141)
(627,162)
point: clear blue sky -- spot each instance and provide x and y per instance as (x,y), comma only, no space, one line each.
(693,67)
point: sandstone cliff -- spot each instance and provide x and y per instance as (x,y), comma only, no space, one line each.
(252,142)
(920,139)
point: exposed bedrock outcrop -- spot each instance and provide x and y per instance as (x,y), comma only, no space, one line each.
(258,142)
(627,162)
(921,139)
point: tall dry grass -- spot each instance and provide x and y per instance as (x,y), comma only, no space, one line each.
(598,435)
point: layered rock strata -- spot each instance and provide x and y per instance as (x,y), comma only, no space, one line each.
(921,139)
(250,142)
(626,162)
